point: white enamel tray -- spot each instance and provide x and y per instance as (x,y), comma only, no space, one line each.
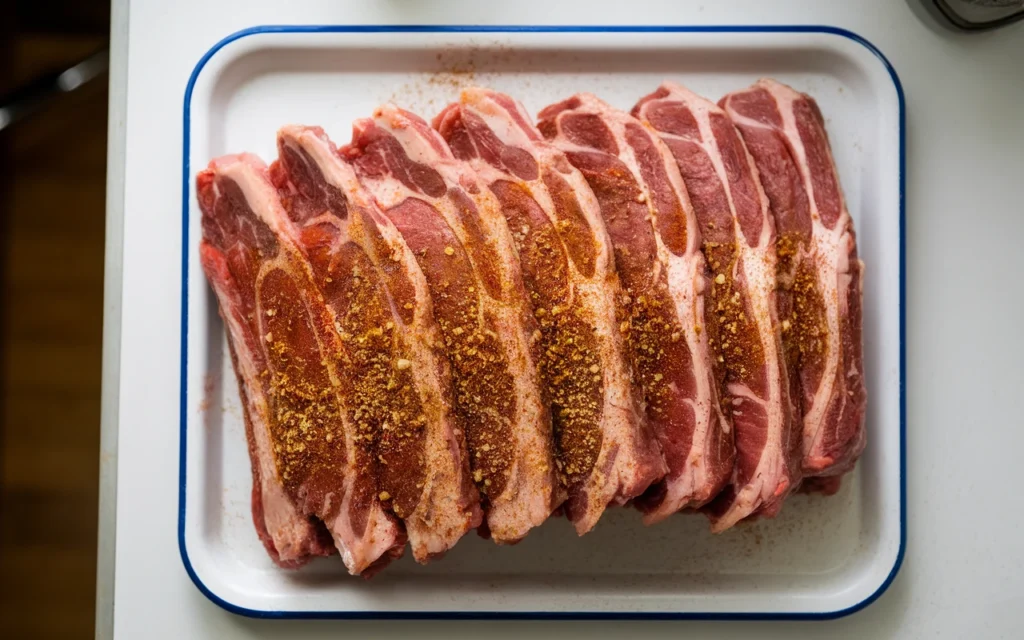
(820,558)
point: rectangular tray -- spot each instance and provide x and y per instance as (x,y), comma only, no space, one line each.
(820,558)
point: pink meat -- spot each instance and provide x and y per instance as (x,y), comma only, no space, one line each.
(739,243)
(371,280)
(820,273)
(292,371)
(657,244)
(463,245)
(602,446)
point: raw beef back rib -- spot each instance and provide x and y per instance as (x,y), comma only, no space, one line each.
(371,280)
(302,426)
(738,237)
(657,251)
(818,266)
(601,443)
(465,250)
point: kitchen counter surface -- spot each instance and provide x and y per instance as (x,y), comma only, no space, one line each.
(963,574)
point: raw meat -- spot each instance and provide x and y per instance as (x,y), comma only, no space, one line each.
(479,324)
(603,449)
(820,273)
(400,376)
(463,245)
(307,460)
(657,252)
(738,240)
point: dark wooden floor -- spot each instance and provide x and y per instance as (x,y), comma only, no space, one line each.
(51,245)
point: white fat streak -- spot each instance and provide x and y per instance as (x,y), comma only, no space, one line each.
(497,118)
(247,171)
(831,255)
(758,271)
(620,416)
(357,552)
(440,440)
(524,486)
(417,146)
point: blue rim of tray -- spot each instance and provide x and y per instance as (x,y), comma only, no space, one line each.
(537,615)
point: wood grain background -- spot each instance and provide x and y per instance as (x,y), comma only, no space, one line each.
(52,194)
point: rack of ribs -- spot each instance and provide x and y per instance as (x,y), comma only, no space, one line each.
(303,421)
(820,274)
(602,447)
(738,240)
(656,242)
(463,245)
(373,284)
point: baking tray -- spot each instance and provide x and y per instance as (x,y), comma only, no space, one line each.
(821,558)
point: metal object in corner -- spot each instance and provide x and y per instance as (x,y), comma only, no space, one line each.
(980,15)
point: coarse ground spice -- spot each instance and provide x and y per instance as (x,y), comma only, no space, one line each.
(483,384)
(307,417)
(385,407)
(569,361)
(802,309)
(733,335)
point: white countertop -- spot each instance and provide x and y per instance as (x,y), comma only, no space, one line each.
(964,568)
